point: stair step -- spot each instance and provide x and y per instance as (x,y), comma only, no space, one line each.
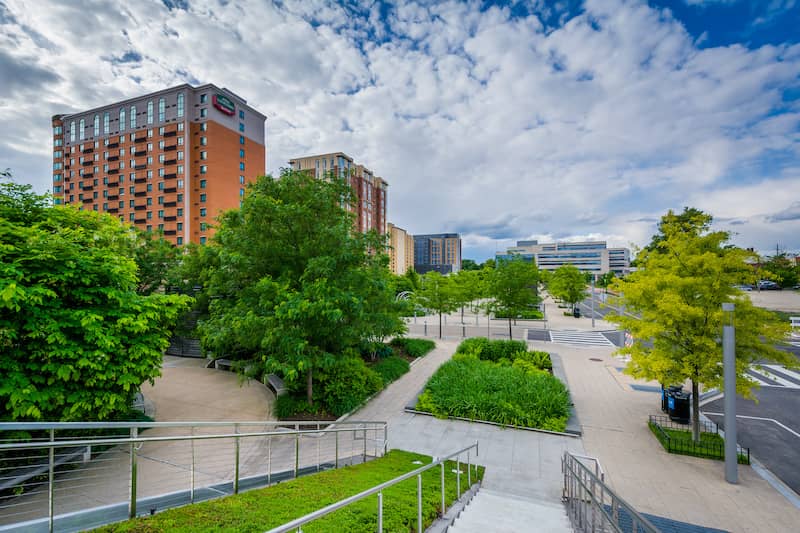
(506,513)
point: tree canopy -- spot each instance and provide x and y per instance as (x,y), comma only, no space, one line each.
(439,294)
(77,339)
(676,319)
(568,284)
(513,288)
(290,282)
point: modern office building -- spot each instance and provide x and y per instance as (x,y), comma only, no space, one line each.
(371,190)
(169,161)
(589,256)
(440,252)
(401,250)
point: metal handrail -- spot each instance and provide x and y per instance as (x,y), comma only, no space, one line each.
(16,426)
(598,468)
(378,489)
(585,495)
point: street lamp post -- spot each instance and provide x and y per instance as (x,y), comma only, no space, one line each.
(593,278)
(729,374)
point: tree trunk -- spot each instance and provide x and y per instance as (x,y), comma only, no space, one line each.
(695,412)
(440,325)
(509,327)
(310,386)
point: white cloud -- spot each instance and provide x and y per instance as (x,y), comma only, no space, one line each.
(482,122)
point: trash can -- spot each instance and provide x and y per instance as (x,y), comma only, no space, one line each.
(576,312)
(666,392)
(678,407)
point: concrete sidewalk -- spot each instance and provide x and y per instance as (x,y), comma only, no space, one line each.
(614,419)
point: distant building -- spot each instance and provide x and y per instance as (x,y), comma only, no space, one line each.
(167,162)
(401,249)
(371,190)
(440,252)
(589,256)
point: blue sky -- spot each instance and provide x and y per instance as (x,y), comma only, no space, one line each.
(502,121)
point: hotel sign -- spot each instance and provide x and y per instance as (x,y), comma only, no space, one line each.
(224,104)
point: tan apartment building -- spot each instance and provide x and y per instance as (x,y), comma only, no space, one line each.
(371,190)
(439,251)
(168,161)
(401,250)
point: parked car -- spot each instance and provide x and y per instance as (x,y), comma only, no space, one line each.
(768,285)
(745,288)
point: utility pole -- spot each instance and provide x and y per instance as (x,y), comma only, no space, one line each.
(593,278)
(729,383)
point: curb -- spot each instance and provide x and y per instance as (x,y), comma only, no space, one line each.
(496,424)
(573,424)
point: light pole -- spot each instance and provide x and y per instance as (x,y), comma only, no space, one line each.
(593,278)
(729,374)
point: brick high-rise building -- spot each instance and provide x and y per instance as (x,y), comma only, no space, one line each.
(439,251)
(401,250)
(371,190)
(167,161)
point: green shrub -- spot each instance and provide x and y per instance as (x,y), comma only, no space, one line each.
(414,347)
(391,368)
(536,358)
(380,349)
(470,388)
(528,367)
(492,350)
(524,315)
(346,384)
(287,406)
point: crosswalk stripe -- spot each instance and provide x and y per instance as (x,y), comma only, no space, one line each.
(785,371)
(753,375)
(775,377)
(583,338)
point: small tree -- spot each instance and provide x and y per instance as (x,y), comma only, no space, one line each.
(678,291)
(513,288)
(438,294)
(569,284)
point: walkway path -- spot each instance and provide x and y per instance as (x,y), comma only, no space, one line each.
(524,463)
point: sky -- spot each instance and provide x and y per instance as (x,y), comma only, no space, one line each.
(548,120)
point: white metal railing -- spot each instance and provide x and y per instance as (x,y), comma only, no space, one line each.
(378,490)
(591,504)
(54,472)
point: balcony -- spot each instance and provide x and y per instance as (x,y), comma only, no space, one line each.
(112,145)
(170,161)
(139,220)
(170,219)
(139,194)
(170,148)
(140,167)
(140,139)
(88,150)
(170,176)
(88,175)
(88,187)
(140,207)
(113,158)
(112,210)
(170,189)
(113,171)
(170,204)
(172,133)
(113,197)
(87,163)
(170,232)
(88,200)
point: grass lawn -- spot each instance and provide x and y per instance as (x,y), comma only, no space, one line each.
(263,509)
(679,441)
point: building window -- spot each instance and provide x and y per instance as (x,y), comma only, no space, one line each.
(160,185)
(241,165)
(180,128)
(160,213)
(180,211)
(149,187)
(82,130)
(150,112)
(180,197)
(121,118)
(133,118)
(149,147)
(202,226)
(58,142)
(203,197)
(241,127)
(203,169)
(149,133)
(180,184)
(131,217)
(161,227)
(106,122)
(162,158)
(179,169)
(131,203)
(57,130)
(149,226)
(203,112)
(202,211)
(96,125)
(161,130)
(241,152)
(180,155)
(241,114)
(203,155)
(203,98)
(149,173)
(179,226)
(180,104)
(161,172)
(241,180)
(203,141)
(180,139)
(162,109)
(241,192)
(203,126)
(202,184)
(160,200)
(241,139)
(180,241)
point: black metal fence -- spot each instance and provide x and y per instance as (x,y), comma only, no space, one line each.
(677,438)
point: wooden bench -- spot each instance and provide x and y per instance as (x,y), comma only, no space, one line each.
(276,384)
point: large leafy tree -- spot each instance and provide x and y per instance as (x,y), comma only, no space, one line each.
(77,339)
(569,284)
(677,293)
(290,281)
(439,294)
(782,269)
(156,258)
(513,288)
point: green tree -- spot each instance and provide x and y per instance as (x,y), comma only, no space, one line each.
(439,294)
(469,264)
(290,280)
(383,317)
(569,284)
(606,279)
(77,339)
(783,269)
(513,288)
(678,292)
(156,258)
(489,263)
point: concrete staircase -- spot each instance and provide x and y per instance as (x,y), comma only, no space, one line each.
(497,512)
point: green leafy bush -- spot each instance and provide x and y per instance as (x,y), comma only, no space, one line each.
(287,406)
(536,358)
(518,395)
(346,384)
(391,368)
(492,350)
(414,347)
(524,315)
